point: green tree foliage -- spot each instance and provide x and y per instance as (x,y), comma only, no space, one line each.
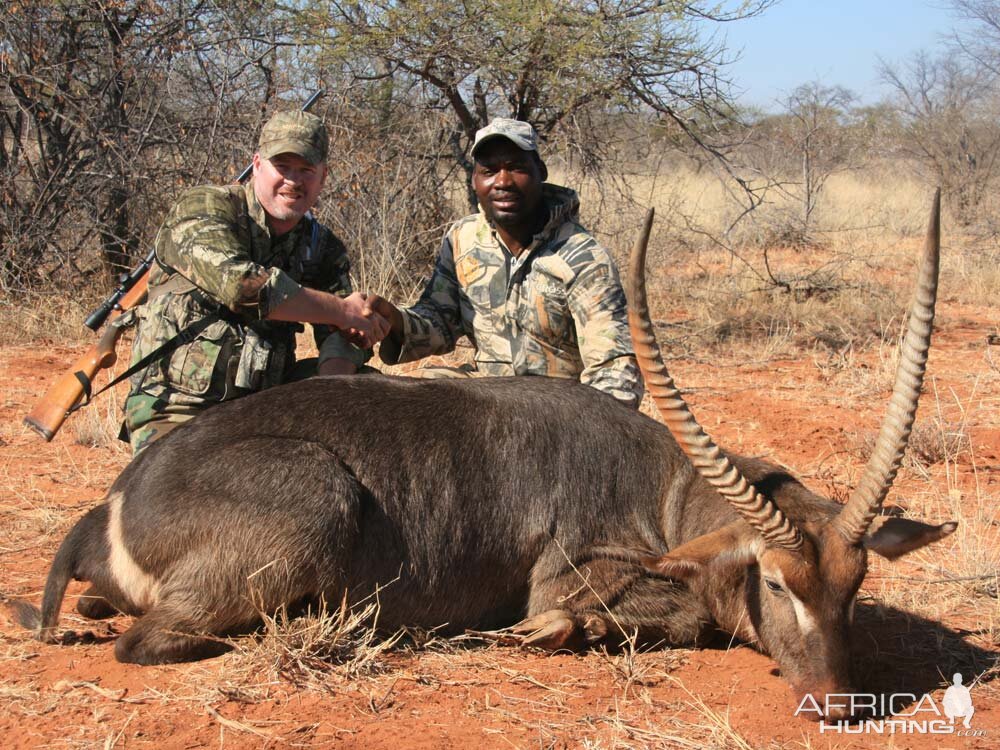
(101,103)
(561,65)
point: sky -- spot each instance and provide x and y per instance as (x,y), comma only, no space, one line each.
(836,42)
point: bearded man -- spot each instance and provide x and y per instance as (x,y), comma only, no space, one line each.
(238,270)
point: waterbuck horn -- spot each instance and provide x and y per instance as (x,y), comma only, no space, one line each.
(864,503)
(711,463)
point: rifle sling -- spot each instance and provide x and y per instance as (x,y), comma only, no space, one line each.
(178,284)
(180,338)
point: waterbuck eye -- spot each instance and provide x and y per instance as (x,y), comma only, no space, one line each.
(773,586)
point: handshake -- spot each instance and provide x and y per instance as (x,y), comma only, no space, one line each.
(369,318)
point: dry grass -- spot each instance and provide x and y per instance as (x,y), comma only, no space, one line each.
(931,442)
(736,311)
(727,284)
(308,649)
(858,211)
(98,424)
(937,442)
(970,271)
(48,315)
(959,574)
(845,323)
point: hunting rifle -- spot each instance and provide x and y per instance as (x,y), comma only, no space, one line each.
(73,389)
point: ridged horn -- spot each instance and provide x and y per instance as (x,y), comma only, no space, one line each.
(887,455)
(711,463)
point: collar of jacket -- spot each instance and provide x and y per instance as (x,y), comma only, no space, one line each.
(254,210)
(562,205)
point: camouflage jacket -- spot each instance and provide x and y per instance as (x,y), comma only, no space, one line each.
(217,264)
(558,309)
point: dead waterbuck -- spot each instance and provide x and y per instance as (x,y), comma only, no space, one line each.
(478,504)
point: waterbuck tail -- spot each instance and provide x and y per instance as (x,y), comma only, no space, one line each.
(64,568)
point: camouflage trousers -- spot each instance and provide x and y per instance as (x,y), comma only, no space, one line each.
(148,418)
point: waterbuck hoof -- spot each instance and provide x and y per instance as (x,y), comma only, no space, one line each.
(595,629)
(552,630)
(558,629)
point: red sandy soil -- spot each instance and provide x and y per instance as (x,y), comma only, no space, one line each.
(811,418)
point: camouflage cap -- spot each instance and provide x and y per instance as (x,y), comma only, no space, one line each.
(294,132)
(520,133)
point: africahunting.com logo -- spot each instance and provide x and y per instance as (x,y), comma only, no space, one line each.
(902,713)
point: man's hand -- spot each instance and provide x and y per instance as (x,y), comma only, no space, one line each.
(355,319)
(383,307)
(393,341)
(362,326)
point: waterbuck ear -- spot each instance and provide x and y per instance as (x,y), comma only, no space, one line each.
(891,537)
(735,542)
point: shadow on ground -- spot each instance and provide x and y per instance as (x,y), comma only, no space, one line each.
(895,651)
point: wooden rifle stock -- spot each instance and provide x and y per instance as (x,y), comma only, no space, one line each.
(50,413)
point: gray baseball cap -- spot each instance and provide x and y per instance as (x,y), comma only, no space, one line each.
(518,132)
(294,132)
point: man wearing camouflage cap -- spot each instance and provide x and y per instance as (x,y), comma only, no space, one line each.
(238,270)
(531,288)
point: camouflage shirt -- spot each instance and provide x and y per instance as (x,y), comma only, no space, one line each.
(219,273)
(558,309)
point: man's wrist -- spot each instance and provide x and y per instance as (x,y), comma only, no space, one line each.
(392,345)
(338,313)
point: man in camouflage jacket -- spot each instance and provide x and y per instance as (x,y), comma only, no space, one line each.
(531,288)
(238,269)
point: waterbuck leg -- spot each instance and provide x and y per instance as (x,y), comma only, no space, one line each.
(614,600)
(162,637)
(558,629)
(292,548)
(93,605)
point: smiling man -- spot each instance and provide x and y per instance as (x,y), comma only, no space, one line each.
(530,287)
(238,269)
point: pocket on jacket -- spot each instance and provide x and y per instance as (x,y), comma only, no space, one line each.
(193,367)
(544,309)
